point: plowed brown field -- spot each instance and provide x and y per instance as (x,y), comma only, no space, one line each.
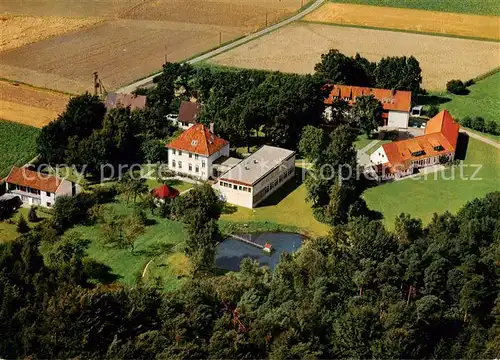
(28,105)
(477,26)
(298,47)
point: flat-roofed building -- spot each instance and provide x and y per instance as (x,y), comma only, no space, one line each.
(255,178)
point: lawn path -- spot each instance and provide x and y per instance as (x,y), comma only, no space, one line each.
(482,138)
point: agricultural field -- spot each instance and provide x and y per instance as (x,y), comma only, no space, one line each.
(298,47)
(134,40)
(17,145)
(466,25)
(424,197)
(480,7)
(28,105)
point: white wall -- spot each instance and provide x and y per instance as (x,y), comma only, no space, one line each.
(195,160)
(235,196)
(398,119)
(379,156)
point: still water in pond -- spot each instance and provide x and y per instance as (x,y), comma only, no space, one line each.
(231,251)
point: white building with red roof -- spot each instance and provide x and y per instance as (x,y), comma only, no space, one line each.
(401,158)
(36,188)
(396,104)
(194,152)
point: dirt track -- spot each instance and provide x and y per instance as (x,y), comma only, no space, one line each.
(408,19)
(30,106)
(298,47)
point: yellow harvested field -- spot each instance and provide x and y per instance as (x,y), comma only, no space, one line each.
(298,47)
(477,26)
(28,105)
(18,31)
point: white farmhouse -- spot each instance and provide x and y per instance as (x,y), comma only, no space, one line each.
(194,152)
(396,103)
(256,177)
(35,188)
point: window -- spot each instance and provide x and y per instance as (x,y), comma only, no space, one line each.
(190,155)
(240,188)
(173,151)
(197,169)
(196,156)
(179,152)
(173,163)
(190,167)
(180,164)
(235,187)
(49,204)
(203,163)
(47,193)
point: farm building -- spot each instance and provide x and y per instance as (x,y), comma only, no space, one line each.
(35,188)
(188,113)
(255,178)
(114,100)
(401,158)
(396,103)
(194,152)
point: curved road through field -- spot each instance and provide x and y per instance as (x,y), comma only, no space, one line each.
(130,88)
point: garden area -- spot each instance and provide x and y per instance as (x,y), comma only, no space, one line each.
(423,197)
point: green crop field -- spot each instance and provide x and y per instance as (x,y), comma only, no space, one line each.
(17,145)
(480,7)
(422,197)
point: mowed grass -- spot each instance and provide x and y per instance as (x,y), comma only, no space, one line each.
(422,198)
(163,239)
(8,228)
(287,206)
(483,100)
(480,7)
(17,145)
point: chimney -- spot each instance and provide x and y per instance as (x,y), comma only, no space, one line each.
(212,128)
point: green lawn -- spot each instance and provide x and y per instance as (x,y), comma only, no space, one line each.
(162,242)
(8,230)
(287,207)
(423,197)
(481,7)
(362,141)
(17,145)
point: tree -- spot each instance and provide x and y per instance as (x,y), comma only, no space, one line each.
(399,73)
(456,87)
(133,227)
(132,186)
(312,142)
(432,111)
(478,123)
(491,127)
(407,229)
(466,121)
(337,68)
(32,216)
(22,226)
(368,113)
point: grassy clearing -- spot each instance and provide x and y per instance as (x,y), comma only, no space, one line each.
(423,197)
(482,100)
(8,230)
(17,145)
(286,207)
(480,7)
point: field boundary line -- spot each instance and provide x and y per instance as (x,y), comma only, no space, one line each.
(400,30)
(36,87)
(310,7)
(487,74)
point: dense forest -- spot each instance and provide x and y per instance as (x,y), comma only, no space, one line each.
(360,292)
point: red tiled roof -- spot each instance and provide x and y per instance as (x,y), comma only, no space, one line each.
(397,100)
(199,140)
(188,112)
(441,130)
(33,179)
(114,100)
(165,192)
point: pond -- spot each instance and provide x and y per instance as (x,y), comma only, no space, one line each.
(231,251)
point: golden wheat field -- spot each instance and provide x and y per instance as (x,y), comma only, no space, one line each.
(298,47)
(467,25)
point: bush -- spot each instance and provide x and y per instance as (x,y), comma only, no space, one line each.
(469,82)
(22,225)
(433,111)
(478,123)
(456,87)
(32,216)
(491,127)
(466,121)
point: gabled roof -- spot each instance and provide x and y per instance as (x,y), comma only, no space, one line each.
(445,124)
(441,135)
(114,100)
(164,192)
(33,179)
(397,100)
(189,111)
(198,140)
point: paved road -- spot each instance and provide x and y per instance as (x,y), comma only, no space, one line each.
(130,88)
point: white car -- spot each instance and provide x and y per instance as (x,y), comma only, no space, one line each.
(172,117)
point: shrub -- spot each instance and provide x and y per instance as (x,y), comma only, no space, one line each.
(22,225)
(491,127)
(456,87)
(32,216)
(432,111)
(478,123)
(466,121)
(469,82)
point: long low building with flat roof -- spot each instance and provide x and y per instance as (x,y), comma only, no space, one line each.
(255,178)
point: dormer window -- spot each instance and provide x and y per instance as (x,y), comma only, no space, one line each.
(439,148)
(194,142)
